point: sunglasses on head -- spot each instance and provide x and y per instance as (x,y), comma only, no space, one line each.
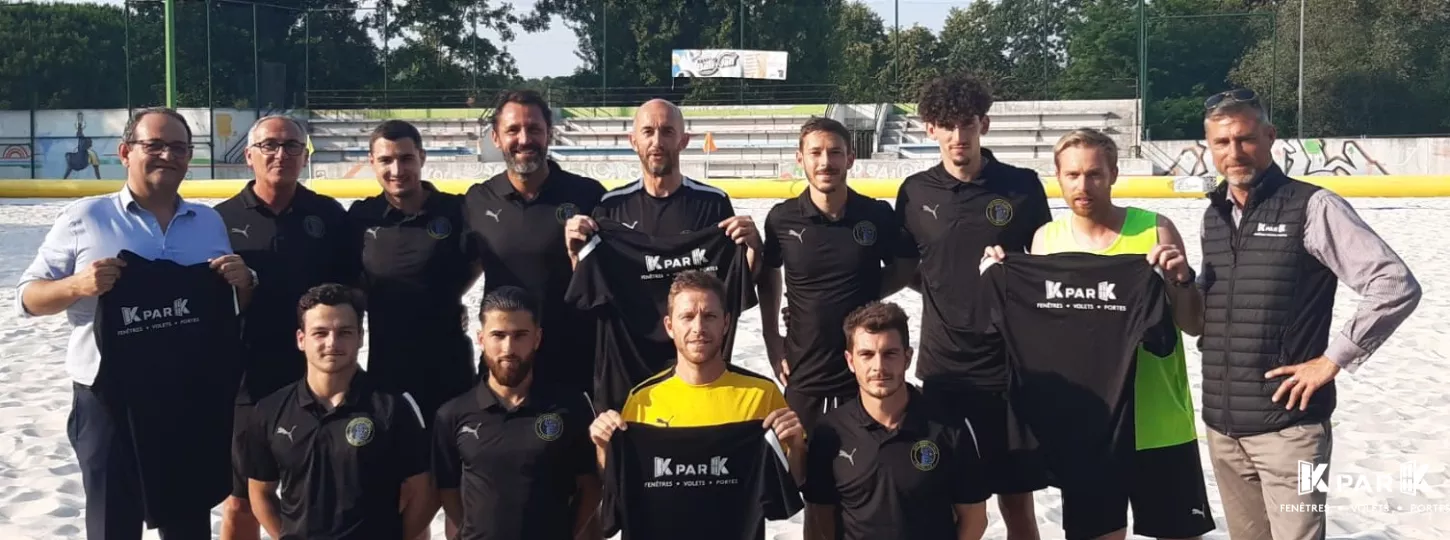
(1231,96)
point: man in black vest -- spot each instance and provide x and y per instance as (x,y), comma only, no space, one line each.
(1274,250)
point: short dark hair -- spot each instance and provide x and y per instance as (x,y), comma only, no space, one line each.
(695,280)
(527,98)
(509,299)
(818,124)
(393,130)
(129,134)
(954,100)
(875,318)
(331,294)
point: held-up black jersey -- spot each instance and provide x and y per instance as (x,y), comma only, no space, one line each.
(1072,324)
(170,345)
(699,483)
(624,277)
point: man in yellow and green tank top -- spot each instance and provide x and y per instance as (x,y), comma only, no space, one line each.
(1166,490)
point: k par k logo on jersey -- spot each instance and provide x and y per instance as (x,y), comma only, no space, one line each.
(696,260)
(1080,297)
(669,473)
(160,317)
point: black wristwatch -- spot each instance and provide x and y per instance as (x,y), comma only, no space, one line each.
(1192,277)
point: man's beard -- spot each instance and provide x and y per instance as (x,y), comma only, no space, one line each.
(510,376)
(829,188)
(884,393)
(524,166)
(666,166)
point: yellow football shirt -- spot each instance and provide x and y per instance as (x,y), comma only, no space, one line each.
(738,395)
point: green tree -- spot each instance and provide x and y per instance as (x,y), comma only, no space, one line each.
(61,55)
(972,40)
(858,53)
(915,60)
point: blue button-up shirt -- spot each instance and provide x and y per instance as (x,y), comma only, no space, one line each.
(100,227)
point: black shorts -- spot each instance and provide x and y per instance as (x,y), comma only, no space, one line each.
(1164,487)
(1008,471)
(810,409)
(241,415)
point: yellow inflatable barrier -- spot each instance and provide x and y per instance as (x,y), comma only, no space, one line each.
(1147,187)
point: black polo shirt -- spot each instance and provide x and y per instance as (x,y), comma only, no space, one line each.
(309,243)
(894,484)
(340,472)
(831,268)
(416,269)
(521,242)
(952,223)
(695,206)
(516,470)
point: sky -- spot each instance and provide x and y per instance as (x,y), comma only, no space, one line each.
(551,53)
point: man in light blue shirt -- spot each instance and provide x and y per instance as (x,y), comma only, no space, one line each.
(78,263)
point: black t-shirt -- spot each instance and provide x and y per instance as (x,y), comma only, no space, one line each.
(699,483)
(169,339)
(898,484)
(1072,324)
(340,472)
(521,242)
(831,268)
(695,206)
(952,222)
(308,244)
(416,269)
(516,471)
(624,277)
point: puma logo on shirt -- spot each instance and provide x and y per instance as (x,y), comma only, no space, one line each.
(930,210)
(851,457)
(287,432)
(244,231)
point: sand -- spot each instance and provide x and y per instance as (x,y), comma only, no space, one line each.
(1393,412)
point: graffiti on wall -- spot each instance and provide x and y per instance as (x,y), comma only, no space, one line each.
(1298,157)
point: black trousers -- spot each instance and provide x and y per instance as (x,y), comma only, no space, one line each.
(109,475)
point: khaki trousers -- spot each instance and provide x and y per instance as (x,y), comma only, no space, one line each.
(1259,480)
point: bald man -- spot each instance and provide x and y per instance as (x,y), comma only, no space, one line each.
(663,201)
(295,239)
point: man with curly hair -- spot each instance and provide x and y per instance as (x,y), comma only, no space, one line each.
(953,211)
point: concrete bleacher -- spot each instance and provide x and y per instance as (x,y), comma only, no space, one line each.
(741,134)
(750,141)
(1025,131)
(448,134)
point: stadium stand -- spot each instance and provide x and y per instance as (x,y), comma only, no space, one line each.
(750,141)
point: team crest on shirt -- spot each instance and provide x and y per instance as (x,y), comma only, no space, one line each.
(566,211)
(999,212)
(549,426)
(440,228)
(314,227)
(925,455)
(864,233)
(359,432)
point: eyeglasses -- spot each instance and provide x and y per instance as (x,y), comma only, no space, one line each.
(293,148)
(155,148)
(1242,95)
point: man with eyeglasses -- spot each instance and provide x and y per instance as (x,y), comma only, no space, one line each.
(1274,251)
(295,239)
(79,262)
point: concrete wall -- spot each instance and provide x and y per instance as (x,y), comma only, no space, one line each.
(1317,157)
(55,137)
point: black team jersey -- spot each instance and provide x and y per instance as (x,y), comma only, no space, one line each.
(339,470)
(516,471)
(698,483)
(521,242)
(831,268)
(1072,324)
(894,484)
(169,339)
(952,222)
(416,269)
(309,243)
(624,277)
(695,206)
